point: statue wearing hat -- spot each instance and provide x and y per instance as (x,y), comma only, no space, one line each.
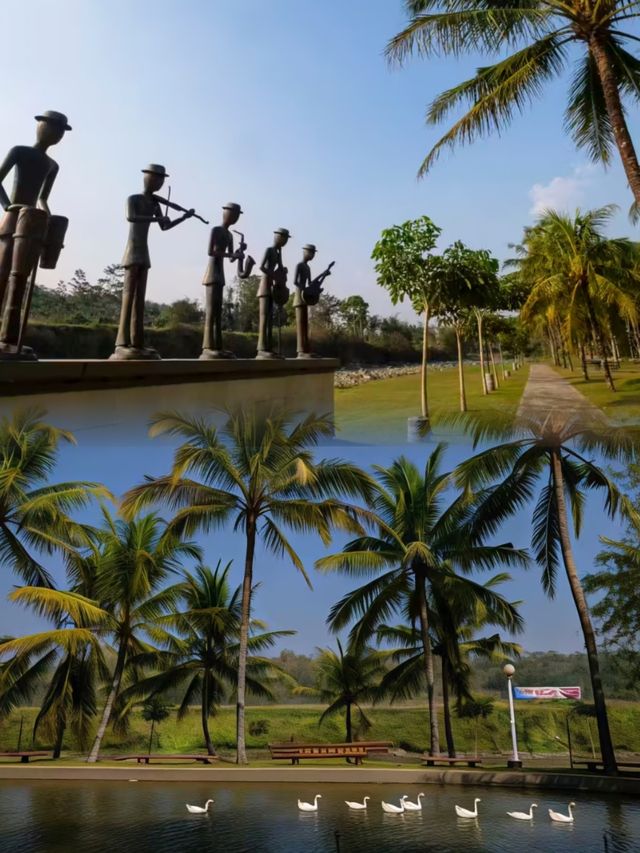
(272,291)
(143,209)
(307,293)
(28,233)
(221,248)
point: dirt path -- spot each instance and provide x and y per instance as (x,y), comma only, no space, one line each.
(547,391)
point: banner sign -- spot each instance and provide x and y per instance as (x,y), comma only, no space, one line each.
(547,693)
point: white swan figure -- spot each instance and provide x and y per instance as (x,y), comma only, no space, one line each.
(309,807)
(562,818)
(412,807)
(199,809)
(524,815)
(362,805)
(389,808)
(466,812)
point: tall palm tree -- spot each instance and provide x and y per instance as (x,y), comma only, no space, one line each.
(131,564)
(199,657)
(257,471)
(34,513)
(345,681)
(541,35)
(421,536)
(574,270)
(545,460)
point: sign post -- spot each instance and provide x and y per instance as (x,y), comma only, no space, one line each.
(509,670)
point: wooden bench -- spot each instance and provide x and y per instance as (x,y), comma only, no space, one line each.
(23,756)
(358,750)
(596,766)
(146,758)
(433,760)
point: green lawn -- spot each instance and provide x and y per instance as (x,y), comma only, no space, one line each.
(378,410)
(621,405)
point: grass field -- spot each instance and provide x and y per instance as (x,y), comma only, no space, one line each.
(539,724)
(378,410)
(621,405)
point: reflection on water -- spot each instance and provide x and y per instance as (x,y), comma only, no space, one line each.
(149,817)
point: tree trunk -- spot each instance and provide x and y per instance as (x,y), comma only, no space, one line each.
(204,715)
(60,730)
(247,581)
(434,736)
(108,708)
(597,330)
(463,394)
(606,744)
(493,366)
(153,723)
(583,361)
(608,79)
(485,390)
(448,730)
(348,724)
(424,401)
(501,360)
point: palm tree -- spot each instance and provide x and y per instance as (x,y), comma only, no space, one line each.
(154,711)
(421,536)
(345,680)
(572,269)
(545,460)
(540,35)
(70,653)
(34,514)
(131,563)
(200,648)
(257,470)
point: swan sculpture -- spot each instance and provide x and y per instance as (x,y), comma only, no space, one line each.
(389,808)
(199,809)
(309,807)
(412,807)
(361,805)
(466,812)
(524,815)
(562,818)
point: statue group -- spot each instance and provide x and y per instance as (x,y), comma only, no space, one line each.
(31,237)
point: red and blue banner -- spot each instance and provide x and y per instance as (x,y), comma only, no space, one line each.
(574,693)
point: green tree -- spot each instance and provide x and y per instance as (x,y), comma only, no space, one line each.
(539,36)
(354,313)
(327,312)
(247,303)
(34,513)
(257,471)
(422,535)
(131,563)
(402,269)
(545,461)
(154,711)
(181,311)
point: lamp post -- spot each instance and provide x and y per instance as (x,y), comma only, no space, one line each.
(509,670)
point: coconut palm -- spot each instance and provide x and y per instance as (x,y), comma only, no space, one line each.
(345,681)
(541,35)
(258,472)
(35,514)
(131,564)
(547,461)
(199,656)
(422,536)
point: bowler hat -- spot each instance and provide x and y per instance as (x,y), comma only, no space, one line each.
(55,118)
(155,169)
(310,247)
(283,231)
(232,205)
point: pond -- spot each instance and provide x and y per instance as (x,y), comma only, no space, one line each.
(151,817)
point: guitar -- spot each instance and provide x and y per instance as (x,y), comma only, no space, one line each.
(311,293)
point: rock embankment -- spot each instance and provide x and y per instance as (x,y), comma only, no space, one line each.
(357,374)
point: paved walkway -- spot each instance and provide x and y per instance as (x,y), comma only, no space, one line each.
(546,391)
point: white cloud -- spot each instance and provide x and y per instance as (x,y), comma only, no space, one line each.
(562,193)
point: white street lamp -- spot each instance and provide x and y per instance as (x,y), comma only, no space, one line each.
(509,670)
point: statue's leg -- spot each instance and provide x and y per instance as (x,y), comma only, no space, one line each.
(207,338)
(217,316)
(128,289)
(137,314)
(6,251)
(269,336)
(27,245)
(263,323)
(302,327)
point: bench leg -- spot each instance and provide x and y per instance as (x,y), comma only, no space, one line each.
(24,759)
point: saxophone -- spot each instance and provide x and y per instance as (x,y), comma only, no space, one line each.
(245,262)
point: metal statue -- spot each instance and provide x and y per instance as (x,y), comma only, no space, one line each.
(307,293)
(29,234)
(221,248)
(273,290)
(142,210)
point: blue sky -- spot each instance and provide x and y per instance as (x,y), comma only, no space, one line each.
(287,106)
(284,600)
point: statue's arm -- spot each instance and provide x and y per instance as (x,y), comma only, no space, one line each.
(266,265)
(299,277)
(7,165)
(133,214)
(43,200)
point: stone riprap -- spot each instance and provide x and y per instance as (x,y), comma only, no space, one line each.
(355,374)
